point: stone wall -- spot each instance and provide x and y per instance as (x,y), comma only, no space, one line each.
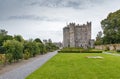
(108,47)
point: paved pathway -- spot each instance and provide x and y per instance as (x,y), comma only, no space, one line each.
(25,70)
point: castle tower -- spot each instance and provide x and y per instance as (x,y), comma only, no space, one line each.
(72,34)
(66,41)
(77,35)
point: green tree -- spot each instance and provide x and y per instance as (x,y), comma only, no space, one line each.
(14,48)
(2,39)
(19,38)
(32,47)
(3,32)
(99,39)
(111,28)
(38,40)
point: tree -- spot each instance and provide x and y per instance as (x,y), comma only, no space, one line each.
(13,48)
(111,28)
(3,32)
(32,47)
(2,39)
(99,39)
(38,40)
(19,38)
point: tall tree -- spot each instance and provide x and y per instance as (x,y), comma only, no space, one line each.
(38,40)
(19,38)
(99,39)
(111,28)
(3,32)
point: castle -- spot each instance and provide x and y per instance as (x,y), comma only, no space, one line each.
(77,35)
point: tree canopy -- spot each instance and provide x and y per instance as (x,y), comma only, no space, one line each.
(111,28)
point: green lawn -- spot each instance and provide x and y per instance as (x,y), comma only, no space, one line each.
(77,66)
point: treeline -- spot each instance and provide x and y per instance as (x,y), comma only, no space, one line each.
(15,48)
(111,30)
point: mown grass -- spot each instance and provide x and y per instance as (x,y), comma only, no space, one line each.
(77,66)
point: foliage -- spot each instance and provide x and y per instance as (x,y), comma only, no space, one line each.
(32,47)
(99,39)
(3,32)
(19,38)
(26,55)
(118,51)
(78,50)
(9,58)
(4,38)
(83,51)
(49,47)
(38,40)
(111,28)
(107,48)
(40,45)
(77,66)
(15,48)
(2,59)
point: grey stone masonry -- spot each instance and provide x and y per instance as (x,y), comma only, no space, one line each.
(77,35)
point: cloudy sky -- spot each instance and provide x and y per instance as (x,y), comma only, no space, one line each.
(45,19)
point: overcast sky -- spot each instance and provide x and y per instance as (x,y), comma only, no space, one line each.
(45,19)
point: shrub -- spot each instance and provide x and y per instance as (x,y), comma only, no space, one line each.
(14,48)
(26,55)
(78,50)
(107,48)
(118,50)
(9,58)
(81,51)
(2,59)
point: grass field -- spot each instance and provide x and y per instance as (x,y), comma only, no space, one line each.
(77,66)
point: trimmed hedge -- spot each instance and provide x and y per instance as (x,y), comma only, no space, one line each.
(83,51)
(78,50)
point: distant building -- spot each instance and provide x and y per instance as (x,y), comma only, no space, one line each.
(77,35)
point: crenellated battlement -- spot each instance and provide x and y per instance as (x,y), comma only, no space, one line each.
(78,25)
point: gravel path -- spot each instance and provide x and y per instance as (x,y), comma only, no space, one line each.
(26,69)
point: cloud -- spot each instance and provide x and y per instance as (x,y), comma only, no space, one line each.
(76,4)
(57,3)
(33,17)
(30,17)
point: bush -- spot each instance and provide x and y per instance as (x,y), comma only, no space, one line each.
(13,48)
(107,48)
(2,59)
(26,55)
(118,51)
(79,51)
(9,58)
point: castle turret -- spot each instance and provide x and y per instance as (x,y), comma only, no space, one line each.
(72,34)
(66,40)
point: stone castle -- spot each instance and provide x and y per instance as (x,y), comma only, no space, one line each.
(77,35)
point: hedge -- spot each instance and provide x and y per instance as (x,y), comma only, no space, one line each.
(83,51)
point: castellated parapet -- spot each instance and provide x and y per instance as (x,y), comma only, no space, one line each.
(75,35)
